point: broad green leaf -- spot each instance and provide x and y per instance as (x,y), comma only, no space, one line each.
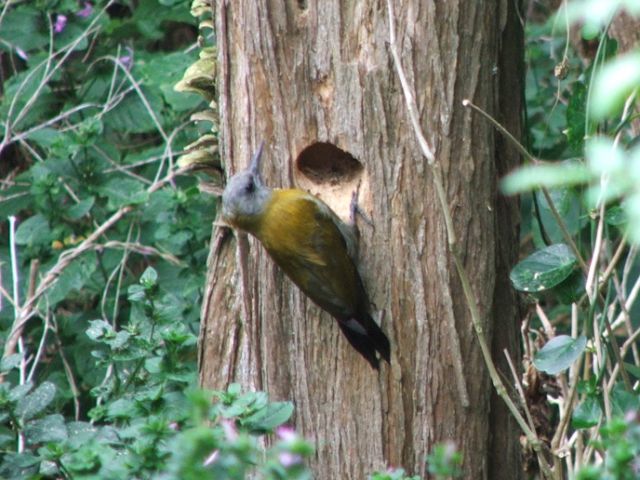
(239,405)
(269,417)
(36,401)
(73,278)
(48,429)
(121,192)
(24,27)
(99,329)
(20,465)
(604,157)
(33,231)
(86,459)
(149,278)
(136,293)
(545,175)
(19,392)
(81,208)
(623,401)
(632,369)
(10,362)
(567,203)
(614,84)
(131,115)
(559,353)
(24,96)
(587,414)
(166,70)
(571,289)
(616,216)
(120,340)
(83,432)
(543,269)
(122,408)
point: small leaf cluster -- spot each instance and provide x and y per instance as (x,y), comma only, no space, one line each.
(620,445)
(150,420)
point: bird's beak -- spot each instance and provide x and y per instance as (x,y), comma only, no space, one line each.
(255,161)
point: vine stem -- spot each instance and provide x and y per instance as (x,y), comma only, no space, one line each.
(463,276)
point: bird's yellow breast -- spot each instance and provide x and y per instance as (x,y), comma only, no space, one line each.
(303,237)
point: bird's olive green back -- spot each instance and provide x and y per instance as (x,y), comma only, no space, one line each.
(302,236)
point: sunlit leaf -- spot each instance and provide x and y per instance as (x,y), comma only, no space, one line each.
(545,175)
(543,269)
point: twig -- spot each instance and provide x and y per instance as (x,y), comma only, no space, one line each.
(519,389)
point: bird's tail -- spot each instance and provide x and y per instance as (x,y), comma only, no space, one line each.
(367,337)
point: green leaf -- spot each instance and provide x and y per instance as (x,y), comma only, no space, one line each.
(131,115)
(73,278)
(543,269)
(559,353)
(604,157)
(268,418)
(632,369)
(82,460)
(545,175)
(48,429)
(120,340)
(567,203)
(19,465)
(33,231)
(18,392)
(614,84)
(576,117)
(10,362)
(81,208)
(136,293)
(99,329)
(24,27)
(124,191)
(122,408)
(587,414)
(27,95)
(149,278)
(571,289)
(36,401)
(623,401)
(616,216)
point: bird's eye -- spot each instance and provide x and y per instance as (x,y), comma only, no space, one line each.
(250,187)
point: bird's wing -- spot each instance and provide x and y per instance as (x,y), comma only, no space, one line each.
(307,243)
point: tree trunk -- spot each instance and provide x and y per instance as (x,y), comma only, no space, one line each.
(316,82)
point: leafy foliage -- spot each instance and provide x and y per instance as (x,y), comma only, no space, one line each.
(580,190)
(105,252)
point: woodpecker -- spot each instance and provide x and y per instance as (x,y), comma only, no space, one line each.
(312,246)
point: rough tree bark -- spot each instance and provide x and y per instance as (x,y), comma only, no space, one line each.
(316,82)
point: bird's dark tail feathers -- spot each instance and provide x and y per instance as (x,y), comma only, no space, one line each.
(367,338)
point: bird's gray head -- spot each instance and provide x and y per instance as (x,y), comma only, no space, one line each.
(245,196)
